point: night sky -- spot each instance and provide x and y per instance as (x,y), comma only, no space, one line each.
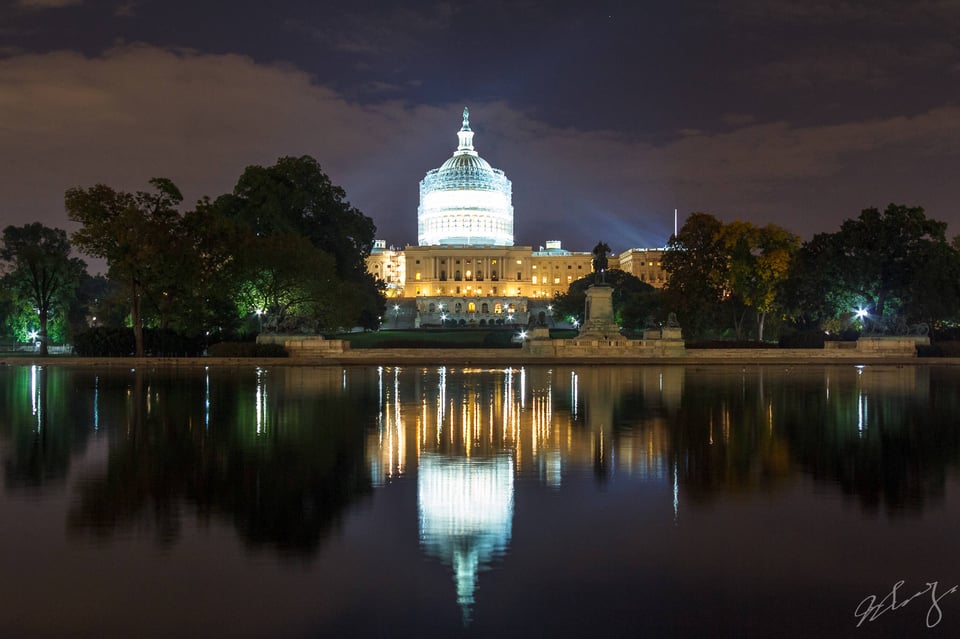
(605,115)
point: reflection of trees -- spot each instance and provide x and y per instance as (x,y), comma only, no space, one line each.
(43,422)
(887,436)
(280,463)
(722,437)
(883,434)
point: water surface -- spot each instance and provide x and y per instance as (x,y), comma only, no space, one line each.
(443,501)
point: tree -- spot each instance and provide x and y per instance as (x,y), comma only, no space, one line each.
(880,252)
(295,198)
(42,273)
(697,268)
(759,261)
(815,291)
(634,301)
(897,262)
(134,233)
(292,282)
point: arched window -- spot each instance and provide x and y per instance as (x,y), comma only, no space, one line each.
(458,308)
(498,308)
(457,276)
(433,307)
(471,307)
(484,308)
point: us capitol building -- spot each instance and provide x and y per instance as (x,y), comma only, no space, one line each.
(466,270)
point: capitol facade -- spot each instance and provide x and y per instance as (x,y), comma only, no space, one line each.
(466,270)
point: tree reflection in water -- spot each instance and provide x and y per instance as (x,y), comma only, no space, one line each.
(279,454)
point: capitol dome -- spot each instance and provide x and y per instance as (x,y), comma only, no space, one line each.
(465,201)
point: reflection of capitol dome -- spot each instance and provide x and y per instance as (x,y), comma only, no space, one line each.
(466,514)
(465,201)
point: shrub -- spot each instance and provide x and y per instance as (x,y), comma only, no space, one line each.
(104,342)
(118,342)
(802,339)
(246,349)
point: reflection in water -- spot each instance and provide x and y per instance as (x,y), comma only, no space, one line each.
(468,432)
(282,455)
(465,513)
(279,454)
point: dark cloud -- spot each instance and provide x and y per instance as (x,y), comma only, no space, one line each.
(138,111)
(46,4)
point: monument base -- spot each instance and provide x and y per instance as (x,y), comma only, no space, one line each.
(599,322)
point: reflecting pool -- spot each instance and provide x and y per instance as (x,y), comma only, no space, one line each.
(658,501)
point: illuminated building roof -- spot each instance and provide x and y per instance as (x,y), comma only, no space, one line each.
(465,201)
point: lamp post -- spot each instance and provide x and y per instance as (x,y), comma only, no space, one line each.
(259,313)
(396,316)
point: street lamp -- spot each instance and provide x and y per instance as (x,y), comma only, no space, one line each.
(396,315)
(260,313)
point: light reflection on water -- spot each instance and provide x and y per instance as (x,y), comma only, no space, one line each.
(631,458)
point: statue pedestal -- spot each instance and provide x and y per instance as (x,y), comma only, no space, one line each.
(672,333)
(598,314)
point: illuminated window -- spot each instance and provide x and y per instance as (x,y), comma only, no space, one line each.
(468,271)
(534,278)
(556,280)
(471,307)
(418,276)
(498,308)
(569,278)
(519,261)
(534,267)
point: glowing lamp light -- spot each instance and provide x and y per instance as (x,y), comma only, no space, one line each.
(861,313)
(32,335)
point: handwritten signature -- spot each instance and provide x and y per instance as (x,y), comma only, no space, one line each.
(870,609)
